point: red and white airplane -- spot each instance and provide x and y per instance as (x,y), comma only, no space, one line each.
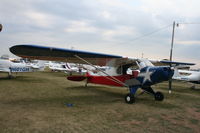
(115,75)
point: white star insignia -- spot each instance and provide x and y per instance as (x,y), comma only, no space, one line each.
(146,75)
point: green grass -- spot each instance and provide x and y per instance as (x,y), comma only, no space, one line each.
(36,103)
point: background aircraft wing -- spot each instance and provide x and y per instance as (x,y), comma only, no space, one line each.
(174,63)
(69,55)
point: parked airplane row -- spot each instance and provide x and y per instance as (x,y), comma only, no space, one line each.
(19,66)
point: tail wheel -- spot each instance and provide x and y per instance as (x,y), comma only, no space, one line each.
(159,96)
(129,98)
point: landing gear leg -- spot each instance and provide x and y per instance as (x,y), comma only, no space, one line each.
(157,95)
(86,82)
(9,75)
(130,97)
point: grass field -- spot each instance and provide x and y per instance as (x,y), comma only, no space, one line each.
(36,103)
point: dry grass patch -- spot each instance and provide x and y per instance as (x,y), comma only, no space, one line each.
(36,103)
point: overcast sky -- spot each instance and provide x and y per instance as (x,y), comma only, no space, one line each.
(105,26)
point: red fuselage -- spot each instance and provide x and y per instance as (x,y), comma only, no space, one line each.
(103,80)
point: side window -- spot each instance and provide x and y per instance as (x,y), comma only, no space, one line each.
(123,68)
(119,70)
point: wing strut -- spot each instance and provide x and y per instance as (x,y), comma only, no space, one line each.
(109,76)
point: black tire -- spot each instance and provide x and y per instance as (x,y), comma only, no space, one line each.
(129,98)
(159,96)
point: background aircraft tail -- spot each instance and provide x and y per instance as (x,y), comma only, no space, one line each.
(176,73)
(39,66)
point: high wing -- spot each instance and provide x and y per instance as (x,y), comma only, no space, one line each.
(69,55)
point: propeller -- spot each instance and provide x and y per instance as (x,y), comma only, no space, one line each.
(171,51)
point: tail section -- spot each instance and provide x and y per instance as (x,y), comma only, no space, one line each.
(39,66)
(176,73)
(68,66)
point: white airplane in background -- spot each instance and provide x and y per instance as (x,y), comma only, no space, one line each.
(37,65)
(187,75)
(87,68)
(8,66)
(61,66)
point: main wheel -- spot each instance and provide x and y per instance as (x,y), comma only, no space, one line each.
(129,98)
(159,96)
